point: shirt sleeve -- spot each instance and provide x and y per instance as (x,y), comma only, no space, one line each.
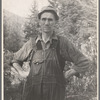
(72,54)
(23,53)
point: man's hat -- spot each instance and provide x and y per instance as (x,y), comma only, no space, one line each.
(48,9)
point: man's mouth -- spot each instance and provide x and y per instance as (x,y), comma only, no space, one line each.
(46,27)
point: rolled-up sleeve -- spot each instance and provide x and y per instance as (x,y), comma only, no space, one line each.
(72,54)
(23,53)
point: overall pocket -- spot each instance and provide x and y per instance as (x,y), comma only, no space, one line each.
(37,62)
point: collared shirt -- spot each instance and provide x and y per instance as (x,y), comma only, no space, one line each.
(48,43)
(67,51)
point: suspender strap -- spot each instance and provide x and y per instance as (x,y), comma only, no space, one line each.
(56,44)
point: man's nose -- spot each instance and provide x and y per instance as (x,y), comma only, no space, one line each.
(47,22)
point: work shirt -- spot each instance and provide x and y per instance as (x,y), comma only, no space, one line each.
(67,50)
(45,67)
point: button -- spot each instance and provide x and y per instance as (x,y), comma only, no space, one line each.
(37,63)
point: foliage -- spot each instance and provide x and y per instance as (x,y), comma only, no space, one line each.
(12,31)
(12,84)
(31,25)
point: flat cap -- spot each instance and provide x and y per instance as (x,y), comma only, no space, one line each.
(48,9)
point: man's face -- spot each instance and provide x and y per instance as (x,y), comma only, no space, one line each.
(47,22)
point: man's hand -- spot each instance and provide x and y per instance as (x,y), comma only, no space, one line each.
(26,66)
(70,73)
(17,66)
(23,72)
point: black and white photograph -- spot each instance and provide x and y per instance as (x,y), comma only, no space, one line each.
(50,50)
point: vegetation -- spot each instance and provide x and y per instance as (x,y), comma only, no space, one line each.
(77,22)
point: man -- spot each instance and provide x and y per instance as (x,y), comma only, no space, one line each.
(46,80)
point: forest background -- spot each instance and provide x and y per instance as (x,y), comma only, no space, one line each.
(77,22)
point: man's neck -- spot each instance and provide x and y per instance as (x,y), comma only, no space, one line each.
(46,36)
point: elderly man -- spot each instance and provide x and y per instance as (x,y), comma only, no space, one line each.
(46,80)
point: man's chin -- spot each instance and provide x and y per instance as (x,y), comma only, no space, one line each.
(47,31)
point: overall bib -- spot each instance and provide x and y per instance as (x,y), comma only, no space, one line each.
(46,80)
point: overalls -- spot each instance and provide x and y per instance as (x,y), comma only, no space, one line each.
(46,80)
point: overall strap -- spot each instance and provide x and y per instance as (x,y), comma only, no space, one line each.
(34,48)
(60,58)
(56,44)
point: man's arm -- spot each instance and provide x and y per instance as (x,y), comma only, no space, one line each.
(22,54)
(22,71)
(17,66)
(72,54)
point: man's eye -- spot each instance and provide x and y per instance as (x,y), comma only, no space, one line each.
(43,19)
(50,19)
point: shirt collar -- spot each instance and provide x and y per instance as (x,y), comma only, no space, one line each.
(53,37)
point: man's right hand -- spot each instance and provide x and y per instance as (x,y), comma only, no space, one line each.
(23,73)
